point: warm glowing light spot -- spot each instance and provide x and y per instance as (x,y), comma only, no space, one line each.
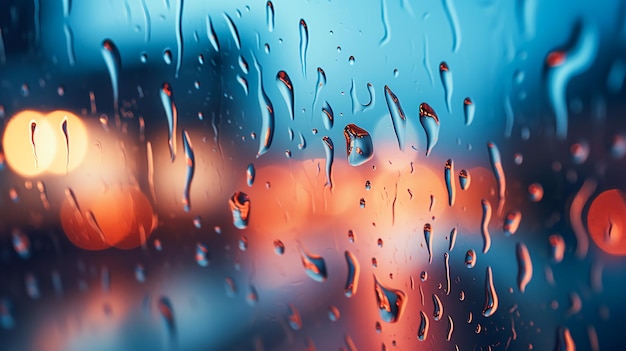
(116,216)
(34,143)
(605,222)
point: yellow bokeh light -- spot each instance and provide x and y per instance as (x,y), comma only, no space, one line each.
(34,143)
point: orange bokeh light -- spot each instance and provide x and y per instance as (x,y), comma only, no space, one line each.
(115,216)
(34,143)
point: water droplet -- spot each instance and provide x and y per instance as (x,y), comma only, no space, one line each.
(167,56)
(157,245)
(535,191)
(484,226)
(197,222)
(453,234)
(563,66)
(302,144)
(424,276)
(333,313)
(356,105)
(379,327)
(327,115)
(446,80)
(391,302)
(243,243)
(580,152)
(396,73)
(279,247)
(140,273)
(498,172)
(557,247)
(469,109)
(167,99)
(422,332)
(286,90)
(210,32)
(491,297)
(267,112)
(269,16)
(398,118)
(239,205)
(267,48)
(430,123)
(564,341)
(351,60)
(374,262)
(380,243)
(314,265)
(202,254)
(618,146)
(304,44)
(512,222)
(470,258)
(351,236)
(190,161)
(329,150)
(32,287)
(448,171)
(250,174)
(524,266)
(464,179)
(295,322)
(230,286)
(111,56)
(453,20)
(353,274)
(21,243)
(368,185)
(362,203)
(429,243)
(319,85)
(253,296)
(167,313)
(233,30)
(359,145)
(438,309)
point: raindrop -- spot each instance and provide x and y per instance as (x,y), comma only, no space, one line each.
(368,185)
(450,10)
(424,276)
(618,146)
(470,258)
(179,36)
(580,152)
(286,90)
(448,171)
(429,243)
(267,113)
(32,287)
(362,203)
(269,16)
(397,116)
(491,297)
(167,312)
(453,234)
(564,340)
(243,243)
(512,222)
(167,56)
(253,296)
(380,243)
(295,322)
(438,309)
(167,99)
(304,44)
(233,30)
(190,161)
(197,222)
(446,81)
(353,274)
(351,60)
(140,273)
(524,266)
(319,85)
(535,190)
(210,31)
(333,313)
(111,56)
(327,115)
(464,179)
(239,205)
(484,226)
(314,265)
(250,174)
(422,332)
(498,172)
(359,147)
(430,123)
(231,288)
(557,247)
(202,253)
(330,158)
(279,247)
(21,243)
(391,302)
(446,264)
(351,236)
(469,109)
(450,329)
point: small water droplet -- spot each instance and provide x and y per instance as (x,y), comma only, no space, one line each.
(250,174)
(314,265)
(469,110)
(167,56)
(21,243)
(202,254)
(446,80)
(464,179)
(328,115)
(140,273)
(285,86)
(368,185)
(430,123)
(295,321)
(429,243)
(470,258)
(398,117)
(535,191)
(351,236)
(448,171)
(351,60)
(279,247)
(239,205)
(491,297)
(243,243)
(524,266)
(557,247)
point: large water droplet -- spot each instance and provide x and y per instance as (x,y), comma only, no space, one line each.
(286,90)
(314,265)
(397,116)
(267,112)
(446,80)
(491,296)
(464,179)
(167,99)
(447,173)
(304,44)
(430,123)
(524,266)
(438,308)
(422,332)
(429,242)
(359,145)
(353,274)
(391,302)
(239,205)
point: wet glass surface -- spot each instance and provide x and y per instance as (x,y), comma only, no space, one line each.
(312,175)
